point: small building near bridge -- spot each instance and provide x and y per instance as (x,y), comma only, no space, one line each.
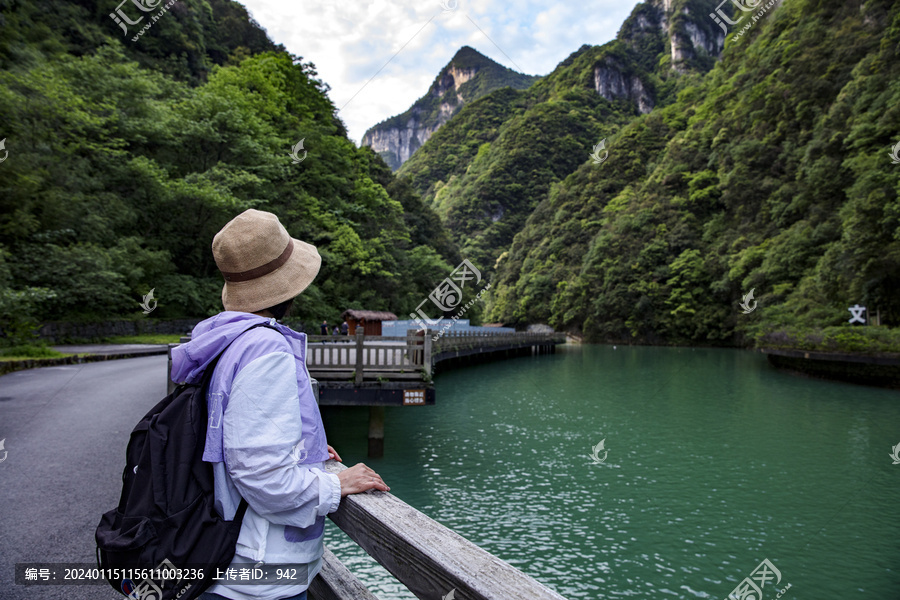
(369,320)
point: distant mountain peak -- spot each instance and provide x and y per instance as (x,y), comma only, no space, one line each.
(468,76)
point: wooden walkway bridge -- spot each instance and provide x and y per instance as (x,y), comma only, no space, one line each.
(378,371)
(411,358)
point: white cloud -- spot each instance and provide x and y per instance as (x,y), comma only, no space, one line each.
(350,41)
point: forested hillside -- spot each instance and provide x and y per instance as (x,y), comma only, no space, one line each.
(487,170)
(125,157)
(771,171)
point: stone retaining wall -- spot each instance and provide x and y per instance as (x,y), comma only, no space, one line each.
(62,332)
(883,371)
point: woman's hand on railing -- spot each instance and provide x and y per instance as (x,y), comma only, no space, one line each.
(360,478)
(332,453)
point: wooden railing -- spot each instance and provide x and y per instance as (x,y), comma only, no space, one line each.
(426,557)
(408,357)
(359,357)
(452,340)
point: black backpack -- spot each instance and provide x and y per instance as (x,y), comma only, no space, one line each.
(165,539)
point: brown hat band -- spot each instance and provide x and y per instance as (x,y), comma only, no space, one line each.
(264,269)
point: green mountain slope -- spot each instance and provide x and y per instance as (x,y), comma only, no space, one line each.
(468,76)
(488,169)
(123,162)
(771,173)
(186,41)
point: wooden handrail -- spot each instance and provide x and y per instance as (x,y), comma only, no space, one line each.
(426,557)
(336,582)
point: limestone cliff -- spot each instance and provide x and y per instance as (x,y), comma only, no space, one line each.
(690,37)
(467,77)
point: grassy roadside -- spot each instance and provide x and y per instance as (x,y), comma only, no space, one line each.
(38,351)
(29,352)
(144,338)
(869,340)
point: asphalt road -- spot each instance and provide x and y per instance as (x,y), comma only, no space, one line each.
(65,431)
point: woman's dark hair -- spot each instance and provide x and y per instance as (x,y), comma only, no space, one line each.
(279,310)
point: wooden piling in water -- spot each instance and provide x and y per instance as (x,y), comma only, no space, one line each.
(376,431)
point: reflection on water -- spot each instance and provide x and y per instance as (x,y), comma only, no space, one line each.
(715,462)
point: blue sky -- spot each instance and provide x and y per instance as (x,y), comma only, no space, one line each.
(350,41)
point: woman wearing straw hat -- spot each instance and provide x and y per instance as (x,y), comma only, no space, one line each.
(265,436)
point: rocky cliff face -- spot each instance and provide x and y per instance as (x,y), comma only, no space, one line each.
(467,77)
(612,81)
(397,142)
(693,42)
(692,37)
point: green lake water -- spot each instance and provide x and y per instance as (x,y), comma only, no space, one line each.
(716,461)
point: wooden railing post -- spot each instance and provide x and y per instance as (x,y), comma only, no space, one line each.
(360,339)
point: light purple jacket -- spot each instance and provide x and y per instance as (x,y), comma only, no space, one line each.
(266,442)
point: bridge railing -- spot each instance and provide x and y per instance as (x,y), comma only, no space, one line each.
(375,357)
(452,340)
(365,357)
(426,557)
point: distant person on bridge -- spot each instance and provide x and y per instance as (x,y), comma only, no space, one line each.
(324,328)
(265,436)
(345,328)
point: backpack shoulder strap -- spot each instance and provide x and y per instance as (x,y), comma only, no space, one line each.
(208,372)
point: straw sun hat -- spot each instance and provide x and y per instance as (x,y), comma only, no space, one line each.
(262,265)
